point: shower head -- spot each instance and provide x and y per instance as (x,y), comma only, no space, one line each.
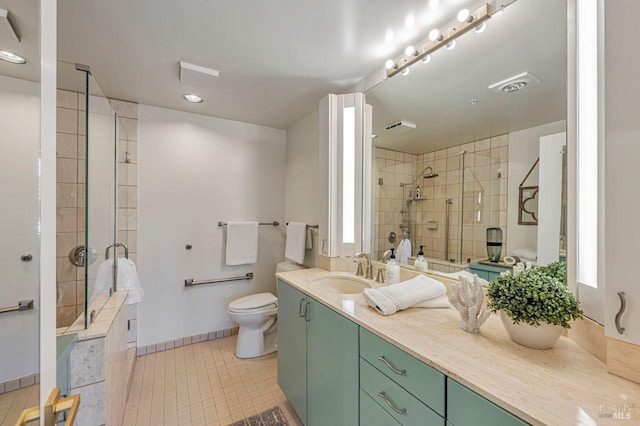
(431,175)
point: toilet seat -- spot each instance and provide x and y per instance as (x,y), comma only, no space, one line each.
(255,303)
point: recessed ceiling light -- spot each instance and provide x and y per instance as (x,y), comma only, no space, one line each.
(192,98)
(12,57)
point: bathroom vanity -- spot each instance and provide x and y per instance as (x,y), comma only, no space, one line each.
(342,363)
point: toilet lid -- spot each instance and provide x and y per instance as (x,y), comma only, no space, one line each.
(254,301)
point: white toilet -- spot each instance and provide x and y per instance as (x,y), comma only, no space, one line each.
(257,317)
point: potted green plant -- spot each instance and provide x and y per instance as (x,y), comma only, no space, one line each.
(535,305)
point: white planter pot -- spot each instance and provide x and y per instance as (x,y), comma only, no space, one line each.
(541,337)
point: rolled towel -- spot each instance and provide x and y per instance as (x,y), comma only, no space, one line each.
(527,253)
(393,298)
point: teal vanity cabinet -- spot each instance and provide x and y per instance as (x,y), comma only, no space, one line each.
(409,391)
(317,360)
(467,408)
(487,272)
(292,347)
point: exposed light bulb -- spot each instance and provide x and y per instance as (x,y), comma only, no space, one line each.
(434,35)
(406,71)
(426,59)
(410,50)
(451,45)
(389,64)
(464,15)
(480,28)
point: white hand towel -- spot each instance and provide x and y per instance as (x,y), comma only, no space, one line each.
(436,302)
(393,298)
(242,243)
(527,253)
(104,279)
(404,251)
(128,280)
(296,242)
(461,274)
(309,243)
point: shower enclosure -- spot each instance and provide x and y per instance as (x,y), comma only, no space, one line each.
(94,206)
(463,191)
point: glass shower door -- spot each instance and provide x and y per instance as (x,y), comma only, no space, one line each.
(99,186)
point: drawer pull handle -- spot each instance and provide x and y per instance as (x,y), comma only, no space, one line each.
(623,307)
(391,367)
(391,404)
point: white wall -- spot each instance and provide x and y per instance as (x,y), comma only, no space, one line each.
(20,143)
(301,173)
(194,171)
(524,149)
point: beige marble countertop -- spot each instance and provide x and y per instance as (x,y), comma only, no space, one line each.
(561,386)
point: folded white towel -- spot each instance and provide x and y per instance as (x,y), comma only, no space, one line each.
(104,279)
(461,274)
(242,243)
(309,243)
(436,302)
(128,280)
(393,298)
(296,242)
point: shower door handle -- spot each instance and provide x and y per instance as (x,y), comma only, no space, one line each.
(623,307)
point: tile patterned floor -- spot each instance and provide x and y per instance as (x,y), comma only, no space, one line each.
(12,404)
(203,384)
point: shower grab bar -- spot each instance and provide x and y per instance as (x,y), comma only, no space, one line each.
(449,201)
(115,246)
(23,305)
(191,282)
(310,226)
(274,223)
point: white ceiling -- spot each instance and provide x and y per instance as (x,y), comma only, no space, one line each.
(276,58)
(530,35)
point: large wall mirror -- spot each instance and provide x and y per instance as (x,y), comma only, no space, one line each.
(20,214)
(453,165)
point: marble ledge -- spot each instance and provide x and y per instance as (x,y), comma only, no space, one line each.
(561,386)
(107,308)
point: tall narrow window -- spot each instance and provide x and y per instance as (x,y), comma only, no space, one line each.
(587,184)
(348,174)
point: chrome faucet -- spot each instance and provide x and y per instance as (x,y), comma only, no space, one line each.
(386,255)
(369,273)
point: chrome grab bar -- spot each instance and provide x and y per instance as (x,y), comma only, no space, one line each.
(23,305)
(274,223)
(391,367)
(310,226)
(391,404)
(191,282)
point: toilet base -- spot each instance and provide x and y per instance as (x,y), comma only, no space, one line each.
(254,342)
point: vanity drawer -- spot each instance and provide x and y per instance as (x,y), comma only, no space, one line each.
(385,392)
(465,407)
(424,382)
(371,414)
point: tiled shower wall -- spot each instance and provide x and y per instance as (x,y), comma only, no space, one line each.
(71,190)
(485,197)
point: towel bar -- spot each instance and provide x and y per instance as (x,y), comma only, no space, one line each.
(115,246)
(191,282)
(310,226)
(274,223)
(23,305)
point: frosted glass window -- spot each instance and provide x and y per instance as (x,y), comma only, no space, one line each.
(588,143)
(348,174)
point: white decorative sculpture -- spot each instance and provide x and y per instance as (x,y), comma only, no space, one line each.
(467,297)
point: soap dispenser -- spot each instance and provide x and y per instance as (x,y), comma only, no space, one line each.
(392,270)
(421,263)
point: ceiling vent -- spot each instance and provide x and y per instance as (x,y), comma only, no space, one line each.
(515,83)
(195,75)
(398,127)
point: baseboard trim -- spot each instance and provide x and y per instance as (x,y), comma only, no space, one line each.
(184,341)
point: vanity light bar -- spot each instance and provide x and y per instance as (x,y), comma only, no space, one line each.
(456,30)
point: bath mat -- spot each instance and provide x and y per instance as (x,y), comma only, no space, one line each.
(272,417)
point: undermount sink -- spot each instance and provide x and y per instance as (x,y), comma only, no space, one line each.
(342,285)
